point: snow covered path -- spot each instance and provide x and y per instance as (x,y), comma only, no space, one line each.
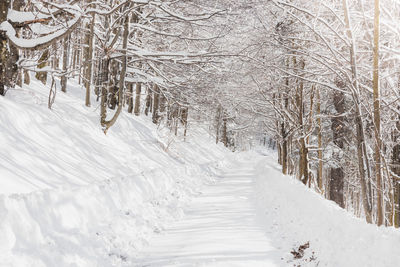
(220,228)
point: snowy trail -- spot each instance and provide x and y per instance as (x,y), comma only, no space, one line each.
(220,228)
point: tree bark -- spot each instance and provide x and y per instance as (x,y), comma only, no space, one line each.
(338,126)
(363,164)
(185,116)
(43,62)
(130,97)
(65,66)
(284,134)
(217,123)
(303,162)
(9,54)
(4,53)
(320,163)
(224,131)
(377,118)
(137,98)
(156,100)
(110,123)
(396,184)
(89,62)
(148,102)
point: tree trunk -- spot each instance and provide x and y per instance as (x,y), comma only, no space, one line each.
(396,184)
(43,61)
(4,53)
(54,60)
(65,66)
(303,162)
(18,5)
(89,62)
(377,118)
(137,98)
(27,78)
(338,126)
(156,100)
(284,134)
(284,149)
(9,54)
(148,102)
(185,115)
(224,131)
(108,124)
(320,163)
(130,97)
(217,123)
(363,164)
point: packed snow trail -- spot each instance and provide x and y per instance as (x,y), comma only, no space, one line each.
(220,228)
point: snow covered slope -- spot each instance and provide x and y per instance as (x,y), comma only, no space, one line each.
(294,216)
(71,196)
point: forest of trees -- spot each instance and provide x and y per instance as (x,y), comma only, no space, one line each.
(319,78)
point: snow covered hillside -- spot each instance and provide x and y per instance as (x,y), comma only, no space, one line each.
(72,196)
(255,216)
(295,215)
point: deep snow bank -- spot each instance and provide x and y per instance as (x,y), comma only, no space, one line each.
(295,215)
(71,196)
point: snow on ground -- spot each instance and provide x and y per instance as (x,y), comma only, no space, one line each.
(294,215)
(220,228)
(255,216)
(71,196)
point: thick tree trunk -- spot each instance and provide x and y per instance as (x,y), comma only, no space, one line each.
(338,126)
(9,54)
(43,61)
(4,53)
(162,104)
(362,166)
(27,77)
(130,97)
(18,5)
